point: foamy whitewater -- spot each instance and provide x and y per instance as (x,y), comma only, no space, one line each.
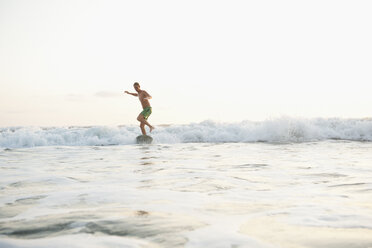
(279,130)
(293,183)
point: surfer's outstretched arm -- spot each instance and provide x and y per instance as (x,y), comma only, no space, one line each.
(133,94)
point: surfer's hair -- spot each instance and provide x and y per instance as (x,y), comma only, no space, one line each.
(136,83)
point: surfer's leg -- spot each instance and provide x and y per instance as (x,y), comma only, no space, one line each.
(143,130)
(142,123)
(142,119)
(149,125)
(151,128)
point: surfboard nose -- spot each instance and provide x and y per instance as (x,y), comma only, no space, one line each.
(144,139)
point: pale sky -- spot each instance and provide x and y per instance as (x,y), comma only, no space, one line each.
(68,62)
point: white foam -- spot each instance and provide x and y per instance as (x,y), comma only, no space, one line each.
(80,241)
(276,130)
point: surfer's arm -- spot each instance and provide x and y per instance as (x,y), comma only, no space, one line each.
(147,96)
(133,94)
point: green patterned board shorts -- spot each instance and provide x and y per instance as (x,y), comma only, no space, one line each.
(146,112)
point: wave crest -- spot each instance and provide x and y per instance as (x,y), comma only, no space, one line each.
(281,130)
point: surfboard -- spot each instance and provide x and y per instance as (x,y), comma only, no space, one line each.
(144,139)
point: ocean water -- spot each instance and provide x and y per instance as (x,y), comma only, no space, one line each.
(279,183)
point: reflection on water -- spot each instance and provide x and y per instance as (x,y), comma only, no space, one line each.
(188,195)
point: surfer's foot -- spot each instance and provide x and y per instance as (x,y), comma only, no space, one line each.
(151,128)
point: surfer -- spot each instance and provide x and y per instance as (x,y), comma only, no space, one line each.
(144,98)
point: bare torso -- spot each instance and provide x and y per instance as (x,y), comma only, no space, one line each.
(144,102)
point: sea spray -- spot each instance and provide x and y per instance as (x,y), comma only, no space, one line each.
(282,130)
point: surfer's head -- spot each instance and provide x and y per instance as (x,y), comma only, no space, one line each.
(136,86)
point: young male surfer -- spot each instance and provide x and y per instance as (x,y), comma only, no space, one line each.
(144,98)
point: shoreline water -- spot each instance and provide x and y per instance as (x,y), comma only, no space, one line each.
(188,195)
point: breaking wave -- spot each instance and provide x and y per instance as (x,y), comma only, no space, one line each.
(282,130)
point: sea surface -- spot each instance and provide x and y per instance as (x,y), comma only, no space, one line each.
(279,183)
